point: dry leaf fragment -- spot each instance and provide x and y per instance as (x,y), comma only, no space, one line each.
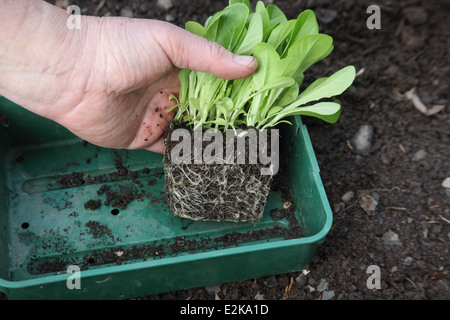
(368,203)
(419,105)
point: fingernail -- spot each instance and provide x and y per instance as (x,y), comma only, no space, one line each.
(245,61)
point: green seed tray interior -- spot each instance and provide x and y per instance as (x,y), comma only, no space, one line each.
(65,202)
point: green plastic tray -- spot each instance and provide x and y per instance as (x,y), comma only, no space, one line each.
(141,248)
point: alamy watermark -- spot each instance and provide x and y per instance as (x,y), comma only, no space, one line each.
(256,142)
(74,279)
(74,20)
(374,20)
(374,280)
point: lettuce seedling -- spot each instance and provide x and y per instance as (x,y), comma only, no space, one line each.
(284,48)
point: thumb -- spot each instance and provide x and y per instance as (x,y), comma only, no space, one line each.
(189,51)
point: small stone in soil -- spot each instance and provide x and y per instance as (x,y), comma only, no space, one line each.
(301,279)
(126,12)
(419,155)
(390,238)
(349,195)
(323,285)
(259,296)
(215,288)
(328,295)
(165,4)
(362,140)
(326,15)
(446,183)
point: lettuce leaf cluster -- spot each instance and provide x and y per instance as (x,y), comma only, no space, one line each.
(284,48)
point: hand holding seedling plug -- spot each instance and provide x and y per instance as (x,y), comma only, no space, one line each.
(108,81)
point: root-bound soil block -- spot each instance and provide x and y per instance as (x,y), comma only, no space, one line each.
(228,189)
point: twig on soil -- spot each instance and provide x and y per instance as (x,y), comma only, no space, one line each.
(446,220)
(397,208)
(411,282)
(99,7)
(349,145)
(288,287)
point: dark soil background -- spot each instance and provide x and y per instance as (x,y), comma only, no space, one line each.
(383,164)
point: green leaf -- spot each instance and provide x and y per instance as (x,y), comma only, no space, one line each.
(183,76)
(264,98)
(282,82)
(195,28)
(310,49)
(328,87)
(273,125)
(284,50)
(230,25)
(253,36)
(276,17)
(306,24)
(212,20)
(273,110)
(224,106)
(280,35)
(288,96)
(299,78)
(285,67)
(173,98)
(326,111)
(267,32)
(195,103)
(246,2)
(261,9)
(275,14)
(267,60)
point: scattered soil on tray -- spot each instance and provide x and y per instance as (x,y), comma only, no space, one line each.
(180,244)
(123,197)
(98,230)
(118,197)
(93,204)
(119,255)
(74,179)
(78,179)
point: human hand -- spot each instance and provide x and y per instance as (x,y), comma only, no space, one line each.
(109,82)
